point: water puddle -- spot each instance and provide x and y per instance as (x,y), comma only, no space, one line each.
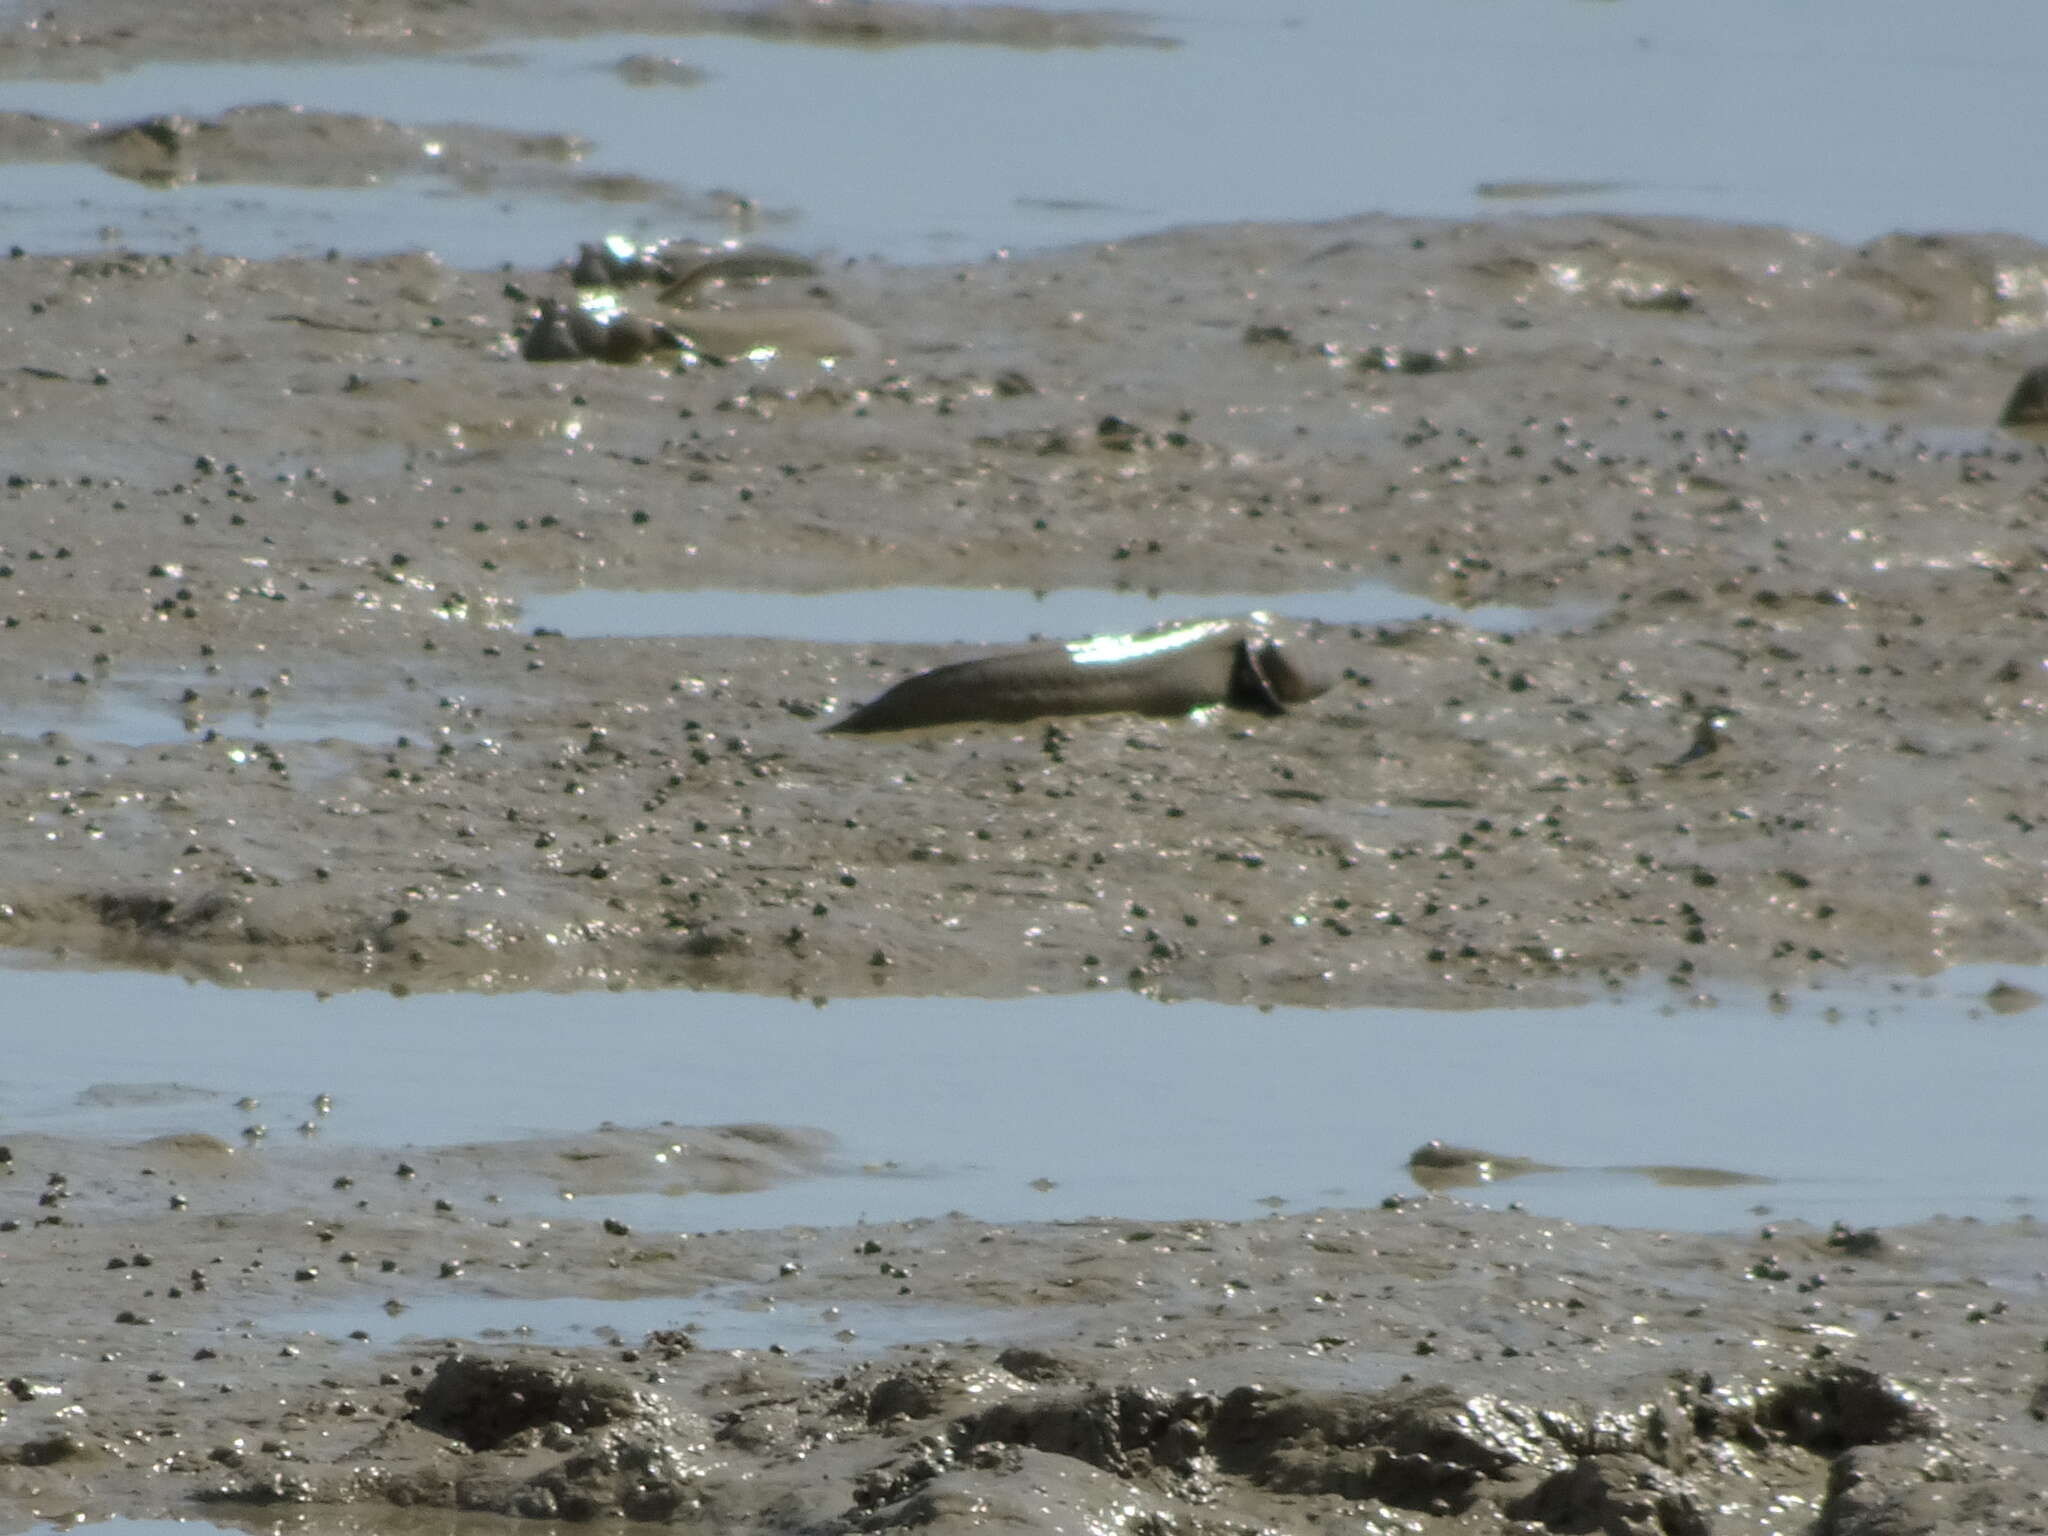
(714,1319)
(989,616)
(314,700)
(92,715)
(1165,1110)
(131,723)
(945,151)
(131,712)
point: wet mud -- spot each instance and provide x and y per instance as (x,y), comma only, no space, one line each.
(1423,1366)
(277,145)
(1801,737)
(91,38)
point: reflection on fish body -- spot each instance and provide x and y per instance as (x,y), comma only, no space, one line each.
(1169,671)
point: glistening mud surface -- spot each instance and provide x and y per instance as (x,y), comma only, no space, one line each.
(1427,1364)
(1806,735)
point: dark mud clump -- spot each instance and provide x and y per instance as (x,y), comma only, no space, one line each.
(579,1442)
(484,1403)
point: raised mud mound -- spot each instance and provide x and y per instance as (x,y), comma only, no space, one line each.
(486,1403)
(892,1449)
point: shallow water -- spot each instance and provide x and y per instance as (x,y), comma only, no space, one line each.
(1753,110)
(140,713)
(990,616)
(1871,1104)
(716,1319)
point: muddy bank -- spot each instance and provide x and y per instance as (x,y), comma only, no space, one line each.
(274,145)
(1423,1362)
(1804,736)
(89,38)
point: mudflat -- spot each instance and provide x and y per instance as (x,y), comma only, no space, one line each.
(229,1333)
(1798,734)
(271,716)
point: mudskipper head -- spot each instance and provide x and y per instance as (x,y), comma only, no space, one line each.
(1267,677)
(1292,674)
